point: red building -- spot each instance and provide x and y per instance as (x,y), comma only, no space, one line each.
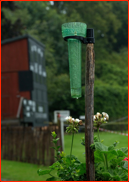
(23,76)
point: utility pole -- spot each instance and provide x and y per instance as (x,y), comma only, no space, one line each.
(89,105)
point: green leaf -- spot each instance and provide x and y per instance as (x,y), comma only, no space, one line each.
(98,156)
(120,153)
(82,168)
(116,178)
(92,146)
(125,150)
(116,162)
(55,140)
(100,146)
(58,147)
(106,176)
(75,129)
(123,174)
(58,153)
(110,147)
(111,154)
(53,134)
(55,165)
(125,166)
(43,172)
(73,157)
(76,164)
(118,172)
(51,179)
(52,147)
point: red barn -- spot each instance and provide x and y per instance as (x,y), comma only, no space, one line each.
(23,75)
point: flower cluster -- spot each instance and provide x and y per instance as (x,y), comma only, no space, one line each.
(125,159)
(72,120)
(73,124)
(100,119)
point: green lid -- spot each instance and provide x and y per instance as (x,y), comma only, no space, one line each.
(74,29)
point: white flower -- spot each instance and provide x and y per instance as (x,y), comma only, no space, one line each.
(77,120)
(67,118)
(105,115)
(73,119)
(94,117)
(98,115)
(104,119)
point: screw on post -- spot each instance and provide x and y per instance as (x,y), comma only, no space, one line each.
(75,33)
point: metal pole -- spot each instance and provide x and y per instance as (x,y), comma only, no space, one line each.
(89,111)
(62,132)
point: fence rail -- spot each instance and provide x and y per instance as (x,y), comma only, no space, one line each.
(27,144)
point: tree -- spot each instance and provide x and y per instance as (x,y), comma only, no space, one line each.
(9,29)
(121,11)
(43,21)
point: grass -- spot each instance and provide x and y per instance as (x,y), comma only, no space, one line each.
(19,171)
(78,149)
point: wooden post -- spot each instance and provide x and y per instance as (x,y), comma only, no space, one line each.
(89,111)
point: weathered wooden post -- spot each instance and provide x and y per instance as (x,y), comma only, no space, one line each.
(75,33)
(89,104)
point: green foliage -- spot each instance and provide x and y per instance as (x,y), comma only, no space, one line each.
(109,164)
(72,169)
(111,74)
(111,175)
(54,134)
(11,25)
(51,179)
(69,168)
(20,171)
(111,98)
(42,172)
(56,148)
(43,21)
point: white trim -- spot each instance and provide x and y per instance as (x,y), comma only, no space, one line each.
(19,107)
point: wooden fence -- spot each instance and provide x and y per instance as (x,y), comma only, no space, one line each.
(27,144)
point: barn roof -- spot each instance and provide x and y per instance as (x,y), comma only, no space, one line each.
(6,41)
